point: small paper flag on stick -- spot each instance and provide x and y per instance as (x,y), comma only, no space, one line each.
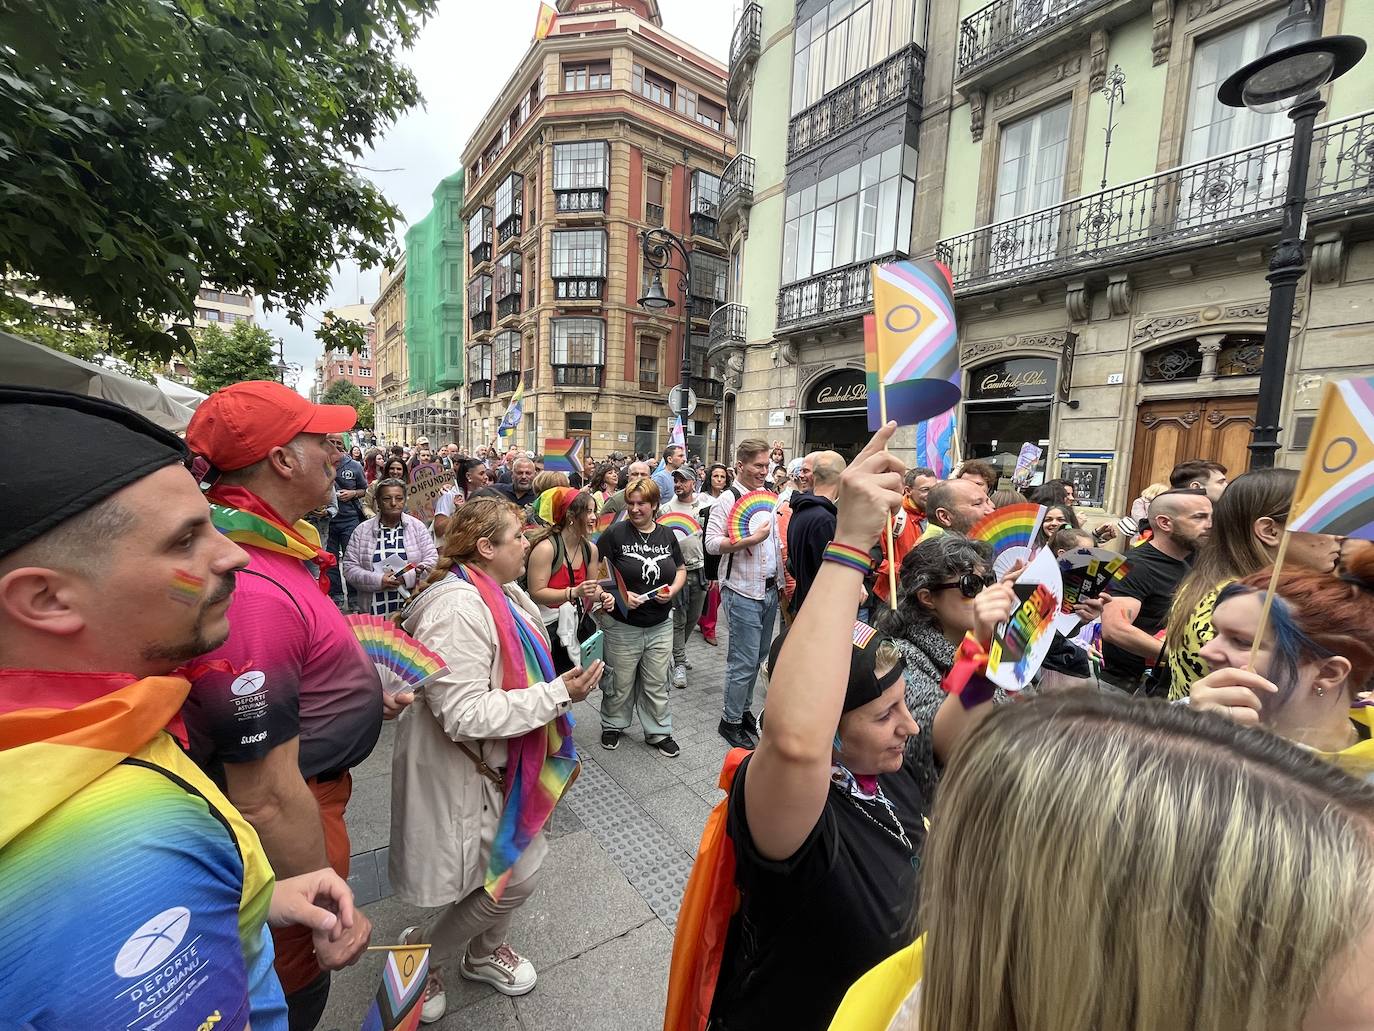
(397,1005)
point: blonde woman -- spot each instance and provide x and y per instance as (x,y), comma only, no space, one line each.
(482,756)
(1101,864)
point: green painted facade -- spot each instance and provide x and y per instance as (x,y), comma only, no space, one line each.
(1354,91)
(1135,142)
(434,291)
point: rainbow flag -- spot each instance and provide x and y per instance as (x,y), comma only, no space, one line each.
(563,455)
(913,353)
(1335,492)
(399,998)
(548,17)
(935,443)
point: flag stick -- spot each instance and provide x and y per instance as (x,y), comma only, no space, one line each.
(1268,601)
(398,948)
(891,557)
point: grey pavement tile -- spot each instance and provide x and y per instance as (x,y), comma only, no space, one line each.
(681,812)
(637,768)
(563,821)
(368,815)
(492,1012)
(619,986)
(362,878)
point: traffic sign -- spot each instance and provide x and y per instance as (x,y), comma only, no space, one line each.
(675,400)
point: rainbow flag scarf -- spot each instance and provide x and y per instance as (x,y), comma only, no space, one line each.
(245,518)
(540,765)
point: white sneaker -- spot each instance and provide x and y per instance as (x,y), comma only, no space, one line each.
(505,970)
(435,1003)
(679,676)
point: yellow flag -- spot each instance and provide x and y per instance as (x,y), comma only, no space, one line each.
(547,17)
(1335,492)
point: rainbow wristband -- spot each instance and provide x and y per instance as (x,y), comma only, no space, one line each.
(850,558)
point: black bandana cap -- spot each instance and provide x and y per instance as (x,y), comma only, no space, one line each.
(103,447)
(864,683)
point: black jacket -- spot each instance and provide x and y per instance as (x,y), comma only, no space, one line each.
(811,528)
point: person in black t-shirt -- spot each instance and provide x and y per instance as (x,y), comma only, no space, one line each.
(1139,605)
(826,821)
(647,560)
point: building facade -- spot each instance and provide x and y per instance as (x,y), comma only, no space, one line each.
(609,126)
(1112,301)
(389,360)
(355,367)
(216,307)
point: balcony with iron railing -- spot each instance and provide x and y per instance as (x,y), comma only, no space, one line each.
(578,375)
(736,188)
(568,202)
(1006,36)
(507,381)
(896,81)
(478,389)
(1228,197)
(578,288)
(744,50)
(508,306)
(728,328)
(829,297)
(706,388)
(653,214)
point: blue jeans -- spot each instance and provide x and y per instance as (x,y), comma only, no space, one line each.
(751,632)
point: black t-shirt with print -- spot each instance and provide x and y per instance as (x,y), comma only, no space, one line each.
(647,562)
(1152,580)
(809,926)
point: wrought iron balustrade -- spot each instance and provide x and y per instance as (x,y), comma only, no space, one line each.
(736,186)
(510,228)
(707,388)
(508,306)
(578,289)
(479,388)
(896,80)
(653,214)
(727,327)
(1006,25)
(506,381)
(578,375)
(744,48)
(1225,197)
(834,296)
(568,201)
(480,321)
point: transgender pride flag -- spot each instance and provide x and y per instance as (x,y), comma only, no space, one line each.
(935,443)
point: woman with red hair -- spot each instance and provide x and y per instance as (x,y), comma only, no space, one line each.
(1314,661)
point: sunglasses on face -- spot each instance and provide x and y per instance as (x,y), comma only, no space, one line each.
(969,584)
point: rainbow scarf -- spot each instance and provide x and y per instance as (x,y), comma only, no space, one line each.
(245,518)
(541,764)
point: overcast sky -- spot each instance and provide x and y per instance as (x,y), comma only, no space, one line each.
(462,61)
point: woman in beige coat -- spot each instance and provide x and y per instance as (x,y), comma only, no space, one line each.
(449,762)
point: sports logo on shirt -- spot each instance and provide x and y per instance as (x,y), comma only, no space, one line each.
(152,943)
(248,683)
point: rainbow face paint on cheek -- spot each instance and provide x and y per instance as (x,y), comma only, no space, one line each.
(185,587)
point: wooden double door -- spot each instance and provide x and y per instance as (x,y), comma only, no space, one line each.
(1173,431)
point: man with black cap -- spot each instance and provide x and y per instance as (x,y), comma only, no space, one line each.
(291,702)
(132,894)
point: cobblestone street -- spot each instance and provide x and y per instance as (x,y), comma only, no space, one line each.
(599,928)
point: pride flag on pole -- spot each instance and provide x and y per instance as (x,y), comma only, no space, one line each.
(515,411)
(935,443)
(563,455)
(913,355)
(1335,492)
(545,22)
(399,996)
(676,436)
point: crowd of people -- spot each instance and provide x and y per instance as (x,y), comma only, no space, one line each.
(1169,832)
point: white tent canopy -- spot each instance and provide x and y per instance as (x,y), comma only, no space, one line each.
(24,363)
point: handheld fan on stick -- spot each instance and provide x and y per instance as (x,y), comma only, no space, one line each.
(403,662)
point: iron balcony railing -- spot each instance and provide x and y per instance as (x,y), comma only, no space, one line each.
(1225,197)
(578,375)
(727,327)
(834,296)
(897,80)
(1006,25)
(707,388)
(744,48)
(736,187)
(653,213)
(580,200)
(506,381)
(479,388)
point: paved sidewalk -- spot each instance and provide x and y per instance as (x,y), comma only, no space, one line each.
(599,929)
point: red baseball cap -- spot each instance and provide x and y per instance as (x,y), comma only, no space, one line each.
(238,425)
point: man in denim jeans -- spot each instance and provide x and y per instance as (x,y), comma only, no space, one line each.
(749,572)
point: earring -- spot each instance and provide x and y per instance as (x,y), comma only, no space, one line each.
(1321,692)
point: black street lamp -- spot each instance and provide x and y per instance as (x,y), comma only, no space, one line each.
(1297,62)
(658,246)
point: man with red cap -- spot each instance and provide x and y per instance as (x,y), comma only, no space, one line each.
(300,704)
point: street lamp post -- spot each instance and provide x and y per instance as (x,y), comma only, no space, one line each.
(658,246)
(1297,62)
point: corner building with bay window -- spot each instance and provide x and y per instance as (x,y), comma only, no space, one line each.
(1111,301)
(608,126)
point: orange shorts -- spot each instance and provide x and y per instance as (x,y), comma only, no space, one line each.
(296,965)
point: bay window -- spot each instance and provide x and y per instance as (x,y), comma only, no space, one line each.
(581,175)
(579,263)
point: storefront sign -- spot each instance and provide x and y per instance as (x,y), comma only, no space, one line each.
(1012,378)
(844,390)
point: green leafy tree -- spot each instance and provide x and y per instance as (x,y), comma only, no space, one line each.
(366,416)
(245,352)
(145,147)
(343,392)
(66,333)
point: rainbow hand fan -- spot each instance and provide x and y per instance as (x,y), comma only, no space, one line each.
(680,523)
(403,662)
(1011,532)
(748,514)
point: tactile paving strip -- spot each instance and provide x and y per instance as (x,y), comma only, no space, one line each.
(654,864)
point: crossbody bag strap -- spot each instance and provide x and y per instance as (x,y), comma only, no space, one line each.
(486,771)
